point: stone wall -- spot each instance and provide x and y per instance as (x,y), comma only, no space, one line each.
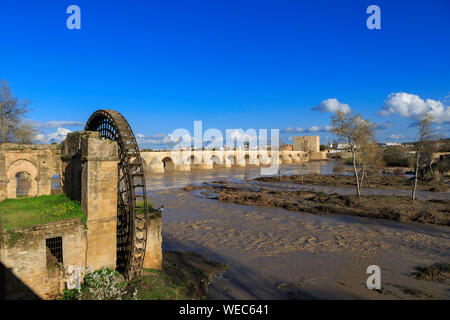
(23,259)
(40,162)
(91,175)
(153,250)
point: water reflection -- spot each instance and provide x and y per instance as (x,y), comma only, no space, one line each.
(179,179)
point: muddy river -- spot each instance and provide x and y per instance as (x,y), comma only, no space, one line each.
(277,254)
(179,179)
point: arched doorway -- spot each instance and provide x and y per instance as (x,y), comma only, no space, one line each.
(21,175)
(23,184)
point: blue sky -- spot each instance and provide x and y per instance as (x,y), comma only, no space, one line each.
(232,64)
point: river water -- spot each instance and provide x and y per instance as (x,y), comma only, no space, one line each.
(277,254)
(179,179)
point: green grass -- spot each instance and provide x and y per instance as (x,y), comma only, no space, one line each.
(26,212)
(140,204)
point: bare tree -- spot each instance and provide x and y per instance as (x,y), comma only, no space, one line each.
(423,147)
(356,132)
(368,150)
(24,133)
(11,112)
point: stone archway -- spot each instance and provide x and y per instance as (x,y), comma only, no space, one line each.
(17,167)
(168,164)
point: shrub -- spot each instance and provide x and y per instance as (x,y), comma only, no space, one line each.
(396,157)
(104,284)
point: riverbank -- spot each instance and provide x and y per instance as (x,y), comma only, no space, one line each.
(389,182)
(371,206)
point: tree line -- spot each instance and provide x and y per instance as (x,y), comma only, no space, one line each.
(359,134)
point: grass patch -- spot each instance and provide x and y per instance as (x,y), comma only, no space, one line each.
(27,212)
(140,205)
(437,272)
(418,293)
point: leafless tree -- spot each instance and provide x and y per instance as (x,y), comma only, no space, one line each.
(356,132)
(24,133)
(12,110)
(424,147)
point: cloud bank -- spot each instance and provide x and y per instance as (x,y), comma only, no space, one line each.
(57,136)
(413,107)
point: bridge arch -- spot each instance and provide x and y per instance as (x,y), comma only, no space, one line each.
(216,161)
(168,164)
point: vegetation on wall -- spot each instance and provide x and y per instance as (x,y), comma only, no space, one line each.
(26,212)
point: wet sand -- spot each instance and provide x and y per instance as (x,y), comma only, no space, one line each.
(273,253)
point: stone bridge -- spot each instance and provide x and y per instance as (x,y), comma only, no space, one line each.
(161,161)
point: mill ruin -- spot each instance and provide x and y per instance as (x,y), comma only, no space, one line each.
(101,168)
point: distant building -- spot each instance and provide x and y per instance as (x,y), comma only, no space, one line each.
(306,143)
(342,146)
(391,144)
(286,147)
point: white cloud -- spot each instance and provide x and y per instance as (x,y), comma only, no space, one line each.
(240,135)
(413,107)
(309,130)
(158,139)
(331,106)
(57,124)
(58,136)
(396,136)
